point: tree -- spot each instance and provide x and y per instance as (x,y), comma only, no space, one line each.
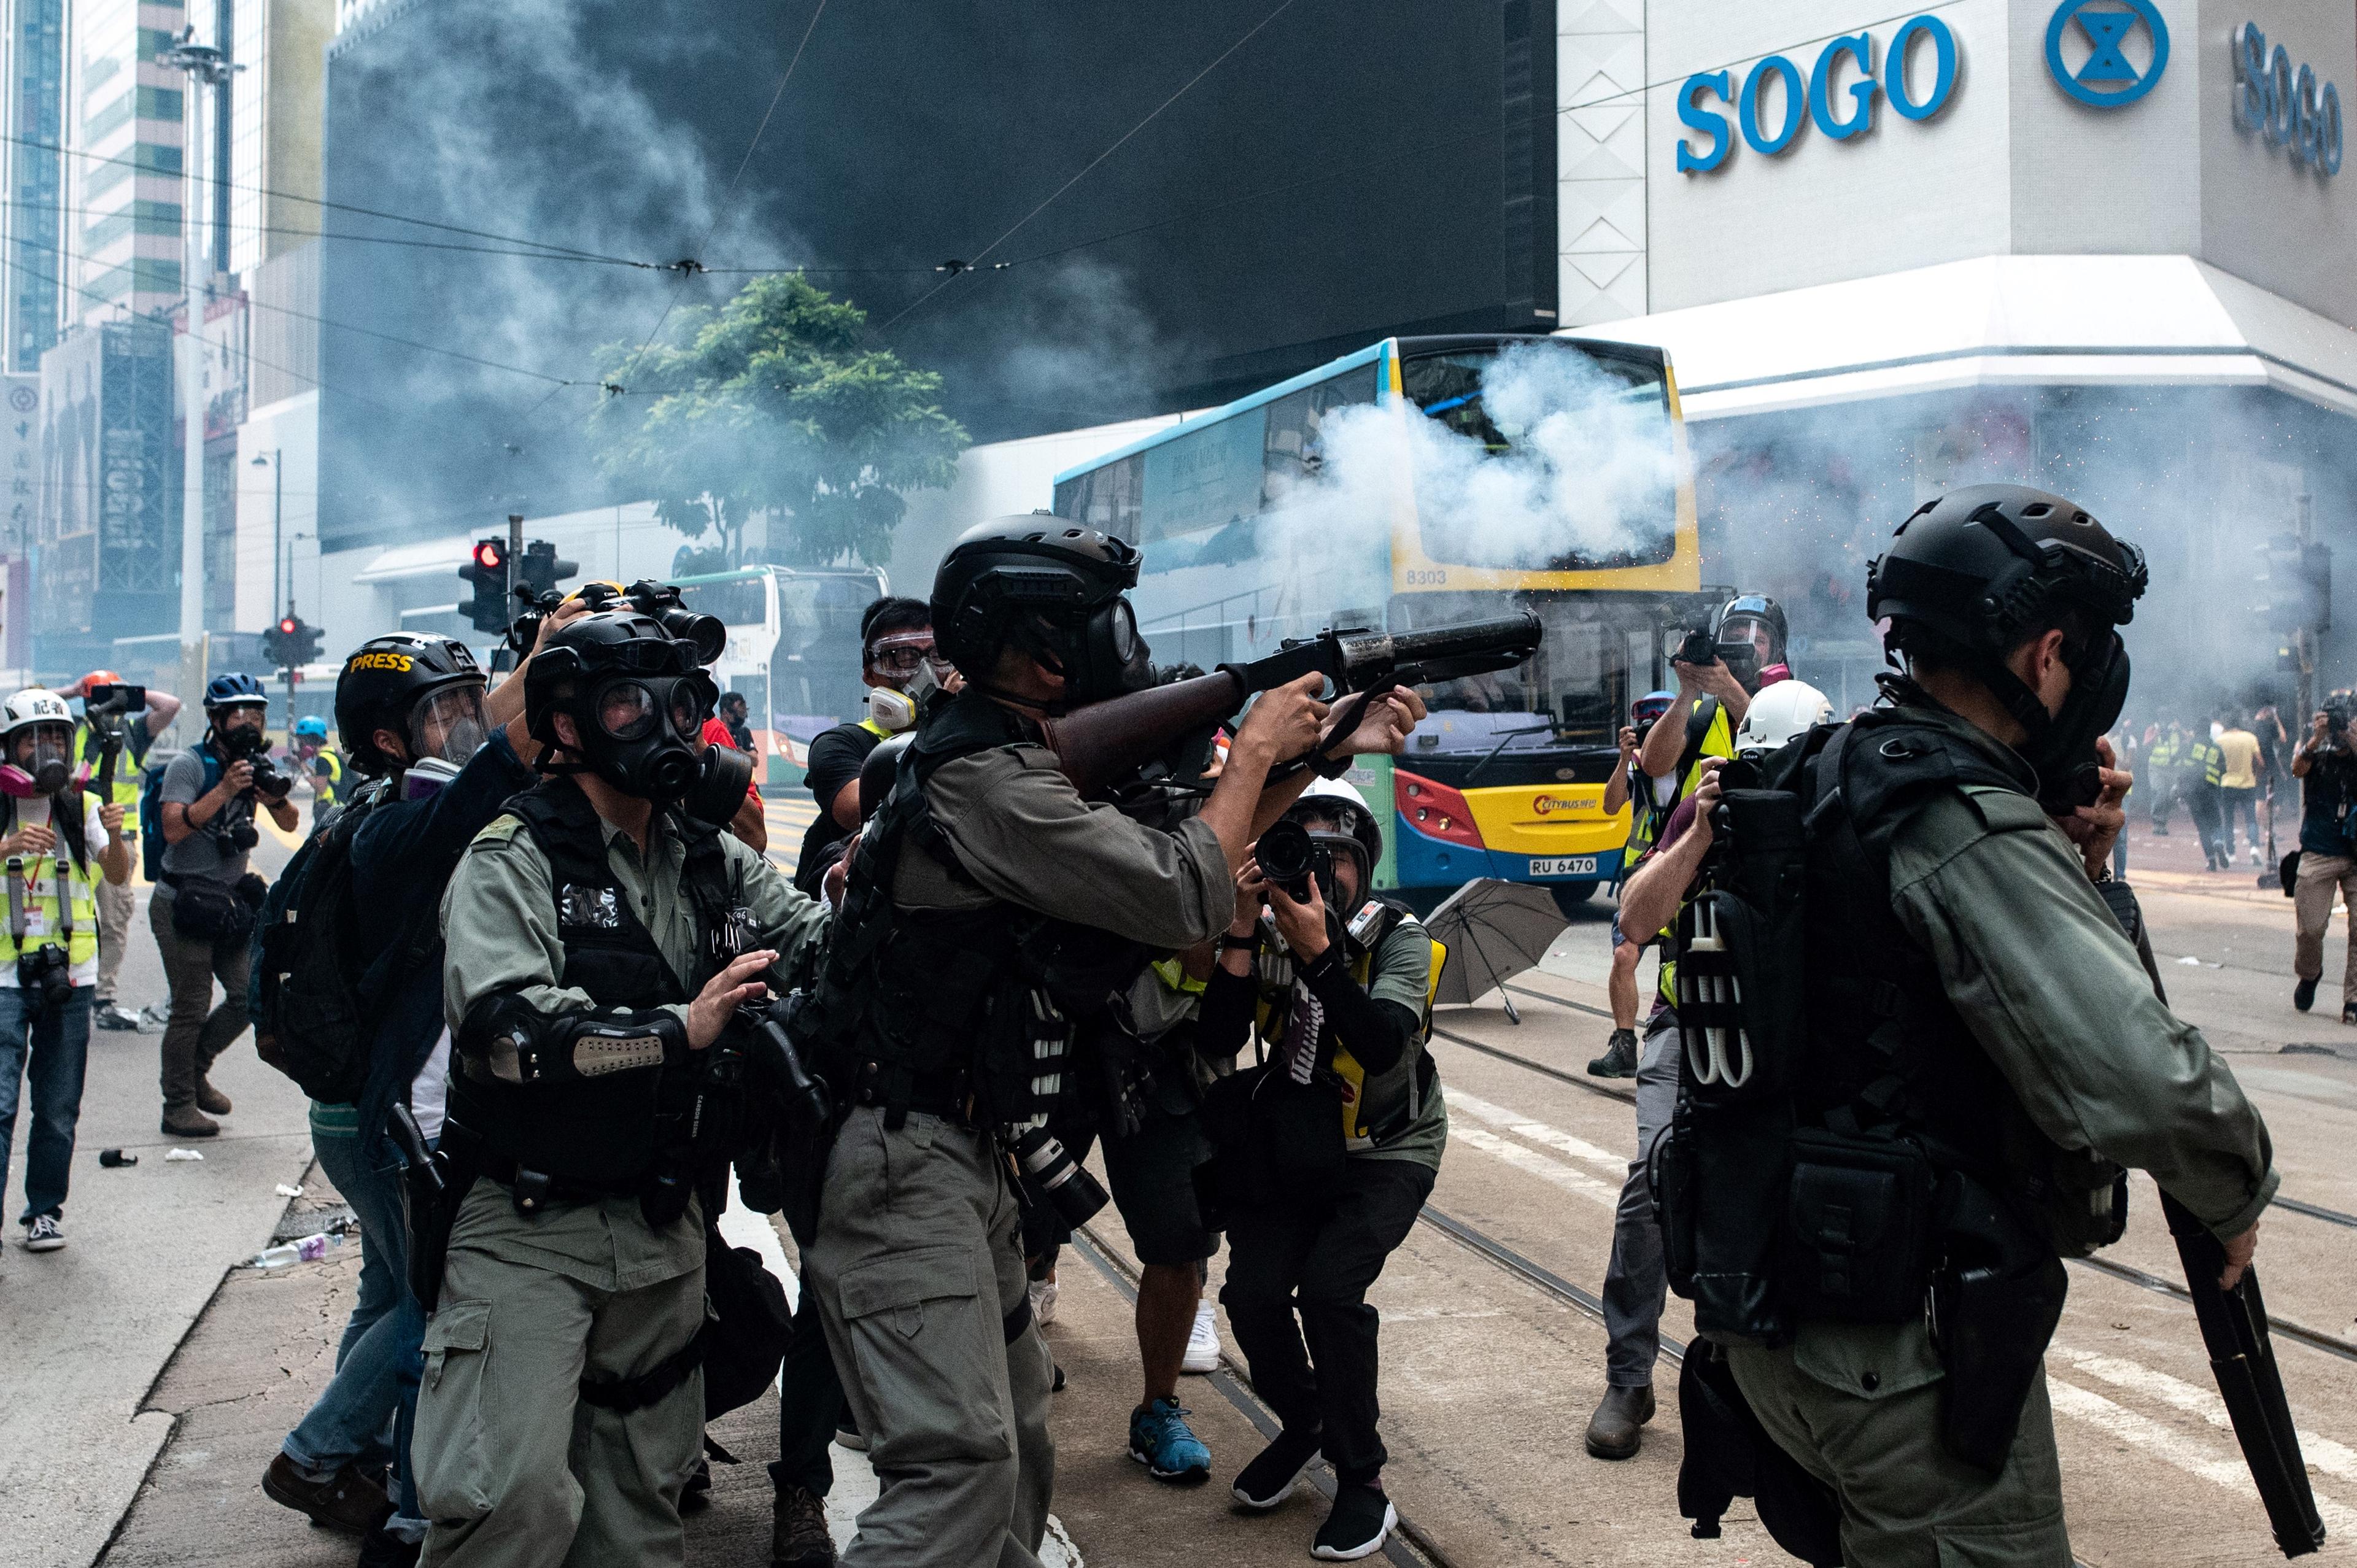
(771,405)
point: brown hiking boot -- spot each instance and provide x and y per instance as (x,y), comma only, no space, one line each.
(799,1538)
(187,1122)
(1614,1432)
(351,1501)
(211,1101)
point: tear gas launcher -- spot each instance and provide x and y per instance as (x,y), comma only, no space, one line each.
(1104,743)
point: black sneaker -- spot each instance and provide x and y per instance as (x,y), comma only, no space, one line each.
(115,1015)
(382,1549)
(2349,1012)
(2303,996)
(1363,1519)
(1619,1057)
(1268,1479)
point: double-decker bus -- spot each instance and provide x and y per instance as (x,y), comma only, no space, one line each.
(793,651)
(1252,534)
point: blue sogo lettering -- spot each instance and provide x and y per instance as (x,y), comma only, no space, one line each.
(1860,47)
(2289,107)
(1894,67)
(1814,98)
(1694,114)
(1747,109)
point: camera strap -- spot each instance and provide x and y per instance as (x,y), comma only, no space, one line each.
(17,901)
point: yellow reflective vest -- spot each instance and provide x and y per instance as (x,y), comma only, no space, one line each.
(31,917)
(1718,740)
(1274,1009)
(87,752)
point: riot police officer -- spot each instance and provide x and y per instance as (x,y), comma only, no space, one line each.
(1981,1043)
(990,906)
(594,933)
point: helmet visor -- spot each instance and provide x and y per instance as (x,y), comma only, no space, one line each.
(447,724)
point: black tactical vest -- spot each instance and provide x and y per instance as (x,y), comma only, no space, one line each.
(938,1010)
(602,1131)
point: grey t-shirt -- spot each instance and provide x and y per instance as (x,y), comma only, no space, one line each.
(206,852)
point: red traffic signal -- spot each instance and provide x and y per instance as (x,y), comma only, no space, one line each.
(286,626)
(491,556)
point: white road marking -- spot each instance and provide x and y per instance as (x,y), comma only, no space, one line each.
(1541,1166)
(2174,1447)
(1538,1132)
(2333,1458)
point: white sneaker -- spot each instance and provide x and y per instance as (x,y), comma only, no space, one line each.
(42,1235)
(1043,1302)
(1202,1342)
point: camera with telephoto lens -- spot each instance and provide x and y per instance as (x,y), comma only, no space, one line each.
(252,748)
(2338,707)
(1075,1193)
(1291,859)
(659,602)
(46,972)
(1699,648)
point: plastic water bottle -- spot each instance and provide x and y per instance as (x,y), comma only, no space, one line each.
(304,1250)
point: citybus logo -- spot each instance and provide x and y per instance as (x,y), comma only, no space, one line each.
(2107,78)
(1817,101)
(2289,108)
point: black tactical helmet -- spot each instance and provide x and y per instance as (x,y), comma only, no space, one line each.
(1970,576)
(1050,587)
(637,697)
(1978,566)
(382,683)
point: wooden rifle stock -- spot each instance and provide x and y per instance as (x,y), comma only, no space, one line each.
(1105,742)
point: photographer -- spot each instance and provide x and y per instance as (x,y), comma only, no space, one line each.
(320,765)
(896,642)
(2327,770)
(51,952)
(1344,1133)
(1650,800)
(1747,654)
(204,907)
(132,716)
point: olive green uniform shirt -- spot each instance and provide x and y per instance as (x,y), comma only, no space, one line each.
(2030,955)
(498,921)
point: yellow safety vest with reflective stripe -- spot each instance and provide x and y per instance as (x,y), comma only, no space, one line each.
(1718,740)
(87,751)
(330,788)
(37,889)
(879,731)
(2210,758)
(1274,1009)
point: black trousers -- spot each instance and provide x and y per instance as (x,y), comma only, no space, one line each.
(1317,1260)
(810,1406)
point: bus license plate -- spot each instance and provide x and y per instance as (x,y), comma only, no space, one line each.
(1563,865)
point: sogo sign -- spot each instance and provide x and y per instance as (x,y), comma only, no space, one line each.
(1817,100)
(2288,107)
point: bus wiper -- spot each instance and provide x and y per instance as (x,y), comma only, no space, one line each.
(1504,737)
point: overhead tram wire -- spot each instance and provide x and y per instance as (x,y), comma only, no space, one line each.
(621,378)
(958,269)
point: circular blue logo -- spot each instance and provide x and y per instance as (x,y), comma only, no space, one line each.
(2108,79)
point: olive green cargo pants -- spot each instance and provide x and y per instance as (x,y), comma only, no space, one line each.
(513,1467)
(917,1271)
(1858,1406)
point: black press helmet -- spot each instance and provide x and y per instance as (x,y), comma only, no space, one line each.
(1051,588)
(385,684)
(1755,607)
(638,698)
(1968,576)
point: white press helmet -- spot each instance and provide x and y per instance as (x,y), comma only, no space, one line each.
(34,705)
(1781,713)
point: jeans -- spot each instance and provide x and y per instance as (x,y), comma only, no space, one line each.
(810,1405)
(2238,802)
(116,904)
(195,1037)
(1320,1258)
(1635,1283)
(57,1041)
(379,1363)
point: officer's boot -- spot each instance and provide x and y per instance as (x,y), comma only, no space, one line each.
(1616,1429)
(1619,1057)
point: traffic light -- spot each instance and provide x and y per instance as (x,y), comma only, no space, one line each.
(303,640)
(276,643)
(2295,581)
(487,571)
(541,568)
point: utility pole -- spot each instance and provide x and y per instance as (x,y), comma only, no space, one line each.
(277,530)
(207,67)
(2304,639)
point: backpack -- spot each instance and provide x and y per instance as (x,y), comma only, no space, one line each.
(151,810)
(304,996)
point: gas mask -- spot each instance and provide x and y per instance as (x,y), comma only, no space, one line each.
(48,771)
(639,734)
(426,778)
(891,710)
(448,725)
(1099,658)
(2063,749)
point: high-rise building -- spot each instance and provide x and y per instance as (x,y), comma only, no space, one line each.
(128,127)
(32,177)
(276,121)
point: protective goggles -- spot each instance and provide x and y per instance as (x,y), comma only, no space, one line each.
(1644,710)
(900,653)
(629,708)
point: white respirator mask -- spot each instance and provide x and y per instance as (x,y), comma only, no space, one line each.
(891,710)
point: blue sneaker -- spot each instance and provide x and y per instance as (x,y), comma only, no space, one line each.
(1160,1439)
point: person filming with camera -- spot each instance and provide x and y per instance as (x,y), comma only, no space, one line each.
(128,719)
(2326,868)
(204,904)
(59,843)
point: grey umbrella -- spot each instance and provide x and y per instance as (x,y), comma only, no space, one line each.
(1493,932)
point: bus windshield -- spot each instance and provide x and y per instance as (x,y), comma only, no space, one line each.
(1588,469)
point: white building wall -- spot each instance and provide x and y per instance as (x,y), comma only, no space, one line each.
(1600,272)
